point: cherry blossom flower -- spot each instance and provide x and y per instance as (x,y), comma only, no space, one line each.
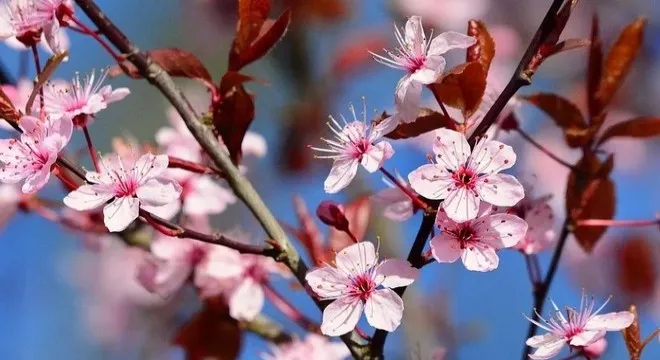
(464,178)
(140,184)
(18,95)
(31,157)
(446,13)
(476,241)
(396,205)
(540,217)
(422,61)
(81,99)
(354,284)
(579,328)
(439,354)
(314,346)
(29,20)
(355,143)
(10,199)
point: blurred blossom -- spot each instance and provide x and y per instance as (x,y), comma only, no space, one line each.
(540,218)
(314,347)
(596,349)
(10,198)
(395,203)
(445,14)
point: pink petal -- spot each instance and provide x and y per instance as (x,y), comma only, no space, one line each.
(88,197)
(116,95)
(414,35)
(167,212)
(158,191)
(207,197)
(501,230)
(500,189)
(431,181)
(396,205)
(548,350)
(341,316)
(540,340)
(611,322)
(540,221)
(220,263)
(149,166)
(491,157)
(120,213)
(165,136)
(451,149)
(373,159)
(357,258)
(341,174)
(30,124)
(432,70)
(461,204)
(587,337)
(51,34)
(38,179)
(384,127)
(246,301)
(254,144)
(449,40)
(384,310)
(327,282)
(480,257)
(394,273)
(163,277)
(407,96)
(445,249)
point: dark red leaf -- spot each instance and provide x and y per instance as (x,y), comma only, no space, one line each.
(462,87)
(567,45)
(565,114)
(270,34)
(233,113)
(175,62)
(636,271)
(358,213)
(319,10)
(560,22)
(619,60)
(211,333)
(309,235)
(251,17)
(484,50)
(427,120)
(642,127)
(7,109)
(594,72)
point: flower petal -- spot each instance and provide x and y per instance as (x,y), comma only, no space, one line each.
(87,197)
(490,157)
(587,337)
(480,257)
(501,230)
(451,149)
(445,249)
(327,282)
(341,316)
(431,181)
(415,37)
(395,203)
(120,213)
(461,204)
(384,310)
(246,300)
(373,159)
(357,258)
(500,189)
(158,191)
(220,263)
(449,40)
(407,96)
(540,340)
(432,70)
(394,273)
(116,95)
(342,173)
(39,178)
(614,321)
(149,166)
(548,350)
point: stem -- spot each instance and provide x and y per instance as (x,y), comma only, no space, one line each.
(417,260)
(86,30)
(37,65)
(649,338)
(533,270)
(178,163)
(618,223)
(241,186)
(92,150)
(284,306)
(415,199)
(436,94)
(543,149)
(267,329)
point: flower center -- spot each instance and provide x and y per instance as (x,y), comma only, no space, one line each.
(126,186)
(465,235)
(464,177)
(362,286)
(360,148)
(415,63)
(196,255)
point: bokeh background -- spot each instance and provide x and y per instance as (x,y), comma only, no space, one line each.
(61,300)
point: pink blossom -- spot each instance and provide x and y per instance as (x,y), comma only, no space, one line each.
(439,354)
(313,347)
(18,95)
(596,349)
(395,203)
(355,143)
(446,13)
(10,199)
(422,61)
(31,157)
(129,187)
(476,241)
(81,99)
(579,328)
(540,217)
(353,285)
(28,20)
(463,178)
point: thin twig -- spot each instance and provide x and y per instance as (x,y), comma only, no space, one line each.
(543,149)
(267,329)
(288,309)
(92,150)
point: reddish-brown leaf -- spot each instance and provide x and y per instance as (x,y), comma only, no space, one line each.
(7,109)
(309,235)
(560,21)
(484,50)
(353,54)
(565,114)
(211,333)
(358,214)
(175,62)
(619,60)
(462,87)
(632,336)
(591,195)
(567,45)
(594,73)
(319,10)
(427,120)
(271,33)
(251,17)
(642,127)
(233,113)
(636,271)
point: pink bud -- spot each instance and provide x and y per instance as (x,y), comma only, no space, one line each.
(332,214)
